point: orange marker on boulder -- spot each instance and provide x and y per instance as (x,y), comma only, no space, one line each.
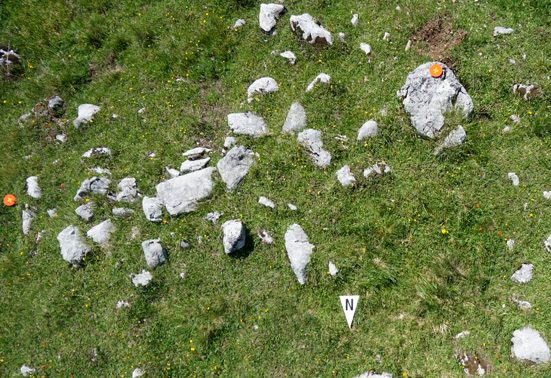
(435,70)
(9,200)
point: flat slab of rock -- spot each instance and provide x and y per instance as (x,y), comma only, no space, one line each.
(345,177)
(181,194)
(530,346)
(152,208)
(322,78)
(154,252)
(234,166)
(194,165)
(100,233)
(268,15)
(305,26)
(264,85)
(234,236)
(73,248)
(27,216)
(454,139)
(501,30)
(296,119)
(266,202)
(121,212)
(523,274)
(142,278)
(373,375)
(86,211)
(86,113)
(33,189)
(128,190)
(196,153)
(426,98)
(310,139)
(299,250)
(368,129)
(94,185)
(247,124)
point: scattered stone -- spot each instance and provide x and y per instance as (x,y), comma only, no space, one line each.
(323,78)
(25,370)
(462,335)
(98,151)
(292,207)
(86,113)
(377,168)
(128,190)
(228,142)
(247,124)
(100,233)
(268,15)
(289,56)
(354,19)
(172,172)
(121,304)
(100,171)
(310,139)
(184,244)
(10,62)
(528,91)
(73,247)
(386,36)
(426,98)
(515,118)
(296,119)
(408,45)
(454,139)
(370,374)
(524,305)
(510,244)
(152,208)
(333,270)
(506,129)
(368,129)
(266,202)
(182,275)
(154,252)
(86,211)
(512,61)
(310,31)
(342,37)
(234,235)
(501,30)
(33,189)
(240,22)
(473,364)
(365,48)
(137,373)
(51,212)
(142,279)
(345,177)
(299,250)
(213,217)
(523,274)
(265,238)
(180,194)
(92,185)
(529,345)
(194,165)
(263,85)
(121,212)
(27,215)
(196,153)
(234,166)
(514,178)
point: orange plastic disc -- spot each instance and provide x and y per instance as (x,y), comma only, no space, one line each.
(435,70)
(9,200)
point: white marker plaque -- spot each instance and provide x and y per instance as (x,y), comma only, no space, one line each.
(349,304)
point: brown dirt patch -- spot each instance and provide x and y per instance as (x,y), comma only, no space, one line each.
(436,38)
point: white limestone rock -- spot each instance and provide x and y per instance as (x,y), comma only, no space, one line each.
(239,23)
(181,194)
(141,279)
(333,270)
(100,233)
(265,238)
(172,172)
(342,36)
(61,137)
(100,171)
(530,346)
(154,252)
(289,56)
(454,139)
(370,374)
(92,185)
(426,99)
(234,166)
(266,202)
(386,36)
(515,118)
(368,129)
(73,248)
(322,78)
(33,189)
(262,86)
(310,139)
(27,216)
(98,151)
(524,305)
(137,373)
(523,274)
(26,371)
(296,119)
(128,190)
(462,335)
(86,211)
(292,207)
(310,31)
(380,168)
(247,124)
(299,250)
(268,16)
(122,212)
(52,212)
(86,113)
(196,153)
(498,30)
(354,20)
(152,208)
(345,177)
(229,141)
(194,165)
(510,244)
(234,236)
(514,178)
(213,216)
(366,48)
(547,195)
(121,304)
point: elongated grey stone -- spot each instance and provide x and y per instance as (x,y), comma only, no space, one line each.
(299,250)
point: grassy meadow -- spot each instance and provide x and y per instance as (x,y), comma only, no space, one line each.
(424,247)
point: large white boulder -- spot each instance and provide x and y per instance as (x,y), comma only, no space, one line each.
(86,113)
(268,15)
(530,346)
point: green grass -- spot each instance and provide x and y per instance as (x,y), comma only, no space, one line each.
(418,286)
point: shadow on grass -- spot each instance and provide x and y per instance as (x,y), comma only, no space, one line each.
(247,249)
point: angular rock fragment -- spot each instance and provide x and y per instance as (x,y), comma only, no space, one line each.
(73,248)
(265,238)
(310,139)
(141,279)
(514,178)
(501,30)
(310,31)
(92,185)
(234,235)
(247,124)
(530,346)
(100,233)
(266,202)
(523,274)
(426,98)
(27,215)
(152,208)
(454,139)
(386,36)
(196,153)
(368,129)
(510,244)
(268,16)
(86,211)
(322,78)
(299,250)
(234,166)
(263,85)
(154,252)
(239,23)
(296,119)
(194,165)
(128,190)
(121,212)
(354,20)
(33,189)
(181,194)
(213,216)
(25,370)
(377,169)
(229,141)
(51,212)
(289,56)
(333,270)
(86,113)
(365,48)
(345,177)
(98,151)
(172,172)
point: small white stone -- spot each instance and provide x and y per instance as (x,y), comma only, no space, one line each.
(240,22)
(265,237)
(25,370)
(121,304)
(342,36)
(510,244)
(463,334)
(213,216)
(523,274)
(142,279)
(61,137)
(354,19)
(506,129)
(182,275)
(547,195)
(137,373)
(51,212)
(501,30)
(266,202)
(514,178)
(333,270)
(365,48)
(345,177)
(33,189)
(172,172)
(322,78)
(408,45)
(515,118)
(229,141)
(368,129)
(292,207)
(290,56)
(386,36)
